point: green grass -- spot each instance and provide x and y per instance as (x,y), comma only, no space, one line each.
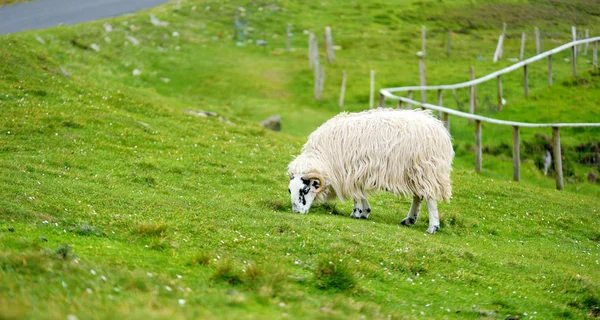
(116,203)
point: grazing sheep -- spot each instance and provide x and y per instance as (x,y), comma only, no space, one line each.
(353,155)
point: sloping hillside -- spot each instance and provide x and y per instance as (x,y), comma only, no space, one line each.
(116,202)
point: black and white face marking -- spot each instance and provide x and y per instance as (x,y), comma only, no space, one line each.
(302,193)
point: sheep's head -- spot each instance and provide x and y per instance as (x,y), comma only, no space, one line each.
(304,188)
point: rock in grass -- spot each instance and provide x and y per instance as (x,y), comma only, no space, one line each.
(272,123)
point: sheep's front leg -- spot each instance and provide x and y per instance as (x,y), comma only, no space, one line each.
(361,209)
(434,218)
(413,213)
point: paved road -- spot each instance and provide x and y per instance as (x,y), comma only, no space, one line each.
(49,13)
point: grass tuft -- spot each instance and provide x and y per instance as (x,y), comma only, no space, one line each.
(225,272)
(333,274)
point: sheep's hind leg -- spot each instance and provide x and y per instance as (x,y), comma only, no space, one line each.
(359,209)
(413,213)
(434,218)
(366,209)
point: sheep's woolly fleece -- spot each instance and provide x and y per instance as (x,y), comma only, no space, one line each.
(406,152)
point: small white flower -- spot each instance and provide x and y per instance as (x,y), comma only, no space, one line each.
(136,72)
(175,34)
(168,288)
(93,272)
(179,276)
(181,302)
(88,290)
(95,47)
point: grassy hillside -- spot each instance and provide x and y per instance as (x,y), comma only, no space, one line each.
(115,202)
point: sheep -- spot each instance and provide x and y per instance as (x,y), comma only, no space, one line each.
(353,155)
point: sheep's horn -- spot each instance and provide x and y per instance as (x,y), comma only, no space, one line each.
(314,175)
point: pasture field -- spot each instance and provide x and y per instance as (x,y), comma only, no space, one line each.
(117,201)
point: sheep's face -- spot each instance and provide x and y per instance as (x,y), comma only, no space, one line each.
(303,191)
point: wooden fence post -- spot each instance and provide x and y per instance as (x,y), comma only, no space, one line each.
(497,54)
(447,121)
(400,103)
(342,89)
(319,80)
(329,45)
(587,35)
(472,93)
(538,47)
(288,36)
(595,55)
(372,95)
(550,71)
(409,96)
(499,86)
(313,50)
(439,102)
(458,105)
(516,154)
(522,53)
(381,101)
(557,158)
(422,64)
(526,81)
(574,52)
(501,52)
(478,146)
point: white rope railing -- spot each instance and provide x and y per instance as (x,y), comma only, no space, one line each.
(477,119)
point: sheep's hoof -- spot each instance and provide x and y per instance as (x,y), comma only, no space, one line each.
(433,229)
(408,221)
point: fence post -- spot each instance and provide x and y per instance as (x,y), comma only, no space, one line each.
(409,96)
(342,89)
(498,53)
(587,35)
(329,44)
(526,81)
(372,95)
(439,101)
(595,54)
(312,43)
(516,154)
(422,64)
(478,146)
(538,47)
(501,52)
(458,105)
(574,52)
(472,94)
(522,54)
(381,101)
(557,158)
(400,102)
(550,71)
(499,85)
(447,121)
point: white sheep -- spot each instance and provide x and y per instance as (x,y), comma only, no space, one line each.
(353,155)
